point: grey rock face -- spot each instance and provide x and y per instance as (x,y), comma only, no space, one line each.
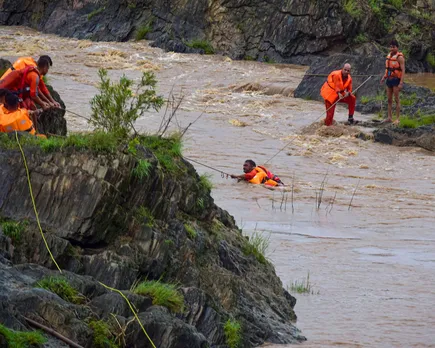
(87,204)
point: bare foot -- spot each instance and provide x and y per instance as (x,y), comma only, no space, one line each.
(396,121)
(388,120)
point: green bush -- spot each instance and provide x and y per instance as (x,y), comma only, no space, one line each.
(364,100)
(21,339)
(361,38)
(118,105)
(233,335)
(408,100)
(201,44)
(398,4)
(162,294)
(62,288)
(103,336)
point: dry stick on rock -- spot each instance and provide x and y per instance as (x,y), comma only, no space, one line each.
(172,114)
(53,333)
(350,203)
(191,123)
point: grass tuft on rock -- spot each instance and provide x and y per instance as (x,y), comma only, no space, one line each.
(62,288)
(205,183)
(144,214)
(302,287)
(201,44)
(142,32)
(103,336)
(142,169)
(257,246)
(190,230)
(13,229)
(163,294)
(21,339)
(417,121)
(166,150)
(233,335)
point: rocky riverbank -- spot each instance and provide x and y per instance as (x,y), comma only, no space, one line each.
(270,31)
(124,215)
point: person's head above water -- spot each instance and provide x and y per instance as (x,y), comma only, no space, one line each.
(248,166)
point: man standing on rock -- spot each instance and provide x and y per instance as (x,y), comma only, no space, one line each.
(338,88)
(393,77)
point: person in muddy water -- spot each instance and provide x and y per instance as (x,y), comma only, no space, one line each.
(393,77)
(338,88)
(258,175)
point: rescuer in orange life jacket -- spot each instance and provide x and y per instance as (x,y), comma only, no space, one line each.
(338,87)
(24,62)
(12,118)
(258,175)
(393,77)
(26,83)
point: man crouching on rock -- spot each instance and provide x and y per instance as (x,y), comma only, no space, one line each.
(338,87)
(258,175)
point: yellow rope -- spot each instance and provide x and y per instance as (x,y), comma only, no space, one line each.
(132,309)
(33,202)
(49,251)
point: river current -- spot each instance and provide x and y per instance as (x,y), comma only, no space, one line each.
(368,247)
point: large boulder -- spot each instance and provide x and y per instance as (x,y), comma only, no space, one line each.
(422,137)
(101,220)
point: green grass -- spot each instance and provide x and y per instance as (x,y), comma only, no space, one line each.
(142,32)
(201,44)
(417,121)
(166,150)
(95,12)
(190,230)
(364,99)
(205,183)
(21,339)
(398,4)
(13,229)
(430,58)
(62,288)
(361,38)
(163,294)
(200,204)
(233,335)
(103,336)
(408,100)
(97,141)
(142,169)
(257,246)
(143,213)
(303,286)
(352,8)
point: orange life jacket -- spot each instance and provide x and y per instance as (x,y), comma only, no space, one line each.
(265,177)
(392,66)
(20,63)
(16,80)
(18,120)
(329,90)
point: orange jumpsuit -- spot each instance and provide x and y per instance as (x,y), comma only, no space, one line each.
(330,93)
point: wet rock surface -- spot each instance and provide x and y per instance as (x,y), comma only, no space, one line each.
(87,204)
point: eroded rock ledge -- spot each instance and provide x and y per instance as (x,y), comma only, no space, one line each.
(89,204)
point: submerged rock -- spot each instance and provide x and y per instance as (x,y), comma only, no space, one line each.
(103,223)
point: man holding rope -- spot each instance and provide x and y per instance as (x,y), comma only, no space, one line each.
(338,88)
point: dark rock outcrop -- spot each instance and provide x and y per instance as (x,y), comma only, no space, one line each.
(274,30)
(89,205)
(423,137)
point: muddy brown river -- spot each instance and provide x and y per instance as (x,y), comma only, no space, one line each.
(371,263)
